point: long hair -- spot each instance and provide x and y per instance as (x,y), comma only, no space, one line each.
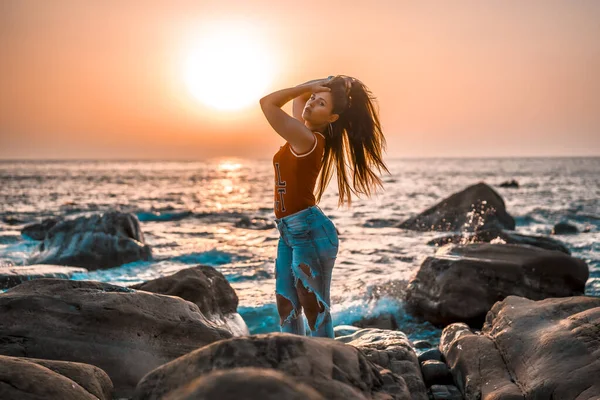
(355,136)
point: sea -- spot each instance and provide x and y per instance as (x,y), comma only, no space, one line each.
(219,212)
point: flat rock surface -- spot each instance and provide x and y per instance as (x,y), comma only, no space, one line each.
(496,236)
(126,333)
(548,349)
(462,283)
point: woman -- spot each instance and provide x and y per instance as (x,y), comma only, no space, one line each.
(334,119)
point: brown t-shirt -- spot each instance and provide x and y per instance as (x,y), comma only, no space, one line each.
(296,176)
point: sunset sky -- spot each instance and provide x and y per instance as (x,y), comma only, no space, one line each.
(113,79)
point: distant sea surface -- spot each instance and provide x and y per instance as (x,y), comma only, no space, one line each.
(188,212)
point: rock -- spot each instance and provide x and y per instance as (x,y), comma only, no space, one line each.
(100,241)
(445,392)
(462,283)
(125,332)
(38,230)
(475,357)
(14,275)
(433,354)
(422,345)
(245,383)
(208,289)
(510,184)
(316,362)
(254,223)
(436,372)
(32,379)
(383,321)
(564,228)
(12,220)
(529,349)
(345,330)
(498,236)
(476,207)
(392,350)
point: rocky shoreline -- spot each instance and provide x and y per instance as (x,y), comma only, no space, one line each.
(516,322)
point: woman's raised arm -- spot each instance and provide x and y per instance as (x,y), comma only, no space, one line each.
(288,127)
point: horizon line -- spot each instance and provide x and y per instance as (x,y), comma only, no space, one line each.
(268,158)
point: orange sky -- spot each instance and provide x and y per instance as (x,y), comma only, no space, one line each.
(104,79)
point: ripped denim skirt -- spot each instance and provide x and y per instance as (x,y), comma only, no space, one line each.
(307,237)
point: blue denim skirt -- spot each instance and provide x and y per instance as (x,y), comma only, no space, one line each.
(307,237)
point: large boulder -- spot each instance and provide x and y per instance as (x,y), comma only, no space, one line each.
(462,283)
(125,332)
(495,235)
(94,242)
(391,350)
(474,208)
(548,349)
(33,379)
(13,275)
(247,384)
(206,287)
(335,370)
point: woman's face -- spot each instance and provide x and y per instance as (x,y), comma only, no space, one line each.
(318,110)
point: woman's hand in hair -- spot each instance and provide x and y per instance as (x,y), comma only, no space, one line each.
(319,86)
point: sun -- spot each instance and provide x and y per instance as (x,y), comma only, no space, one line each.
(228,68)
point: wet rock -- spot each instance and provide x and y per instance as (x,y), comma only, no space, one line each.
(33,379)
(422,345)
(317,362)
(549,347)
(246,383)
(392,350)
(99,241)
(125,332)
(445,392)
(510,184)
(12,220)
(254,223)
(436,372)
(14,275)
(433,354)
(383,321)
(474,208)
(462,283)
(38,230)
(564,228)
(498,236)
(208,289)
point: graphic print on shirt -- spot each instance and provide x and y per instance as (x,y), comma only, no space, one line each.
(280,190)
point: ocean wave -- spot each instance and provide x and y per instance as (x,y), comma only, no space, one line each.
(211,257)
(264,319)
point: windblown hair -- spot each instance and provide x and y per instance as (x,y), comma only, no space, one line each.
(355,136)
